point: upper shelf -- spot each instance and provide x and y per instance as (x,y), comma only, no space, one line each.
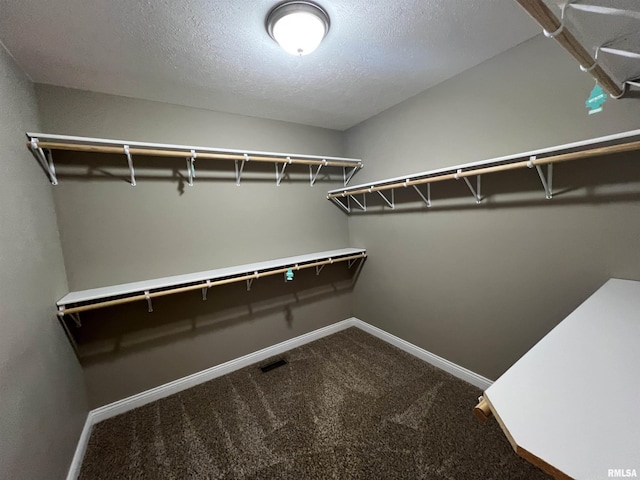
(75,302)
(42,144)
(602,36)
(620,142)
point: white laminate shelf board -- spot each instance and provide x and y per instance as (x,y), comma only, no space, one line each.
(190,278)
(168,146)
(573,399)
(618,138)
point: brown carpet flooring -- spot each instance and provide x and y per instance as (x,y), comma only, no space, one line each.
(348,406)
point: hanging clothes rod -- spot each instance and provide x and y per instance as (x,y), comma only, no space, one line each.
(610,144)
(142,291)
(628,147)
(556,29)
(100,145)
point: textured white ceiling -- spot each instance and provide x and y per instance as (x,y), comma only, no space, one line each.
(216,54)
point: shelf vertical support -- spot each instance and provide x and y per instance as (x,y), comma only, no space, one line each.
(347,177)
(363,205)
(205,290)
(130,161)
(191,169)
(474,191)
(240,168)
(392,202)
(426,199)
(250,280)
(313,177)
(149,303)
(547,182)
(45,161)
(280,174)
(346,208)
(76,319)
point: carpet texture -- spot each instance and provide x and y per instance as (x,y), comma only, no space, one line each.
(348,406)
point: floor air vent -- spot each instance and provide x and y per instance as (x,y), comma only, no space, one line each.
(272,365)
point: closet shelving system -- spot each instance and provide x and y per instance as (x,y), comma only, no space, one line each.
(347,198)
(42,146)
(592,23)
(74,303)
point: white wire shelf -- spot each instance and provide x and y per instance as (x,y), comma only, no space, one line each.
(617,143)
(42,145)
(84,300)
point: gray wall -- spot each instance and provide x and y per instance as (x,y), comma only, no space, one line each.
(43,403)
(113,233)
(479,285)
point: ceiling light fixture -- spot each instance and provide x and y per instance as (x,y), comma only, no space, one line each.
(298,26)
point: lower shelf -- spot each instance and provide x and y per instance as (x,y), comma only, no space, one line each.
(76,302)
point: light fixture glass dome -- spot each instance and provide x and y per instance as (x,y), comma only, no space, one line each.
(298,26)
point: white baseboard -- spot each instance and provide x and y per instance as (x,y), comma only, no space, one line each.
(121,406)
(443,364)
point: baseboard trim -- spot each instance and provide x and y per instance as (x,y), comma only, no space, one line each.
(121,406)
(443,364)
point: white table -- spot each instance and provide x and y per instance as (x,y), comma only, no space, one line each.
(571,405)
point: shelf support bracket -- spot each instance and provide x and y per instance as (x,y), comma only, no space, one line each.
(347,177)
(547,182)
(149,303)
(351,263)
(347,207)
(205,290)
(250,280)
(426,199)
(191,169)
(45,161)
(240,168)
(363,205)
(474,191)
(392,202)
(313,177)
(280,174)
(130,161)
(76,319)
(320,267)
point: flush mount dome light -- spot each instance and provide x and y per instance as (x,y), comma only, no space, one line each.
(298,26)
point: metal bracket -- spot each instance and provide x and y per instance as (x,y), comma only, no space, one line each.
(426,199)
(347,178)
(76,319)
(250,280)
(205,290)
(313,177)
(45,160)
(320,267)
(346,208)
(363,205)
(133,174)
(560,28)
(474,191)
(351,263)
(74,316)
(280,174)
(191,169)
(547,183)
(148,297)
(392,202)
(241,168)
